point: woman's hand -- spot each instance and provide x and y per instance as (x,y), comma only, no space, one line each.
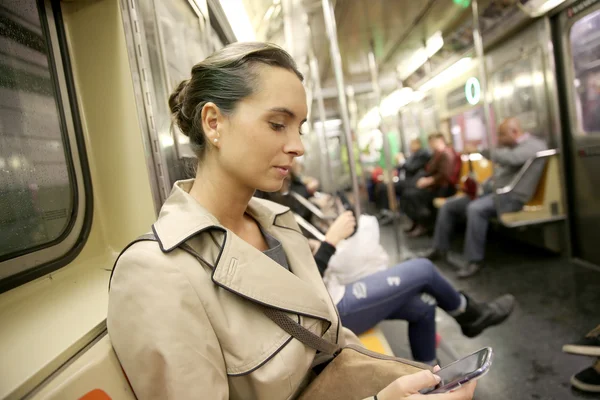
(341,228)
(407,388)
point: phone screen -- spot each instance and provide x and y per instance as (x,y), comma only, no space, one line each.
(462,371)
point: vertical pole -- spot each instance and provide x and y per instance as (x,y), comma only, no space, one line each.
(482,72)
(286,8)
(321,134)
(336,62)
(353,112)
(387,151)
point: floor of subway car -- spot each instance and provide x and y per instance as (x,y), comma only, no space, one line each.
(557,303)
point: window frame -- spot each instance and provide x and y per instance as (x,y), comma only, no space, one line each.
(25,265)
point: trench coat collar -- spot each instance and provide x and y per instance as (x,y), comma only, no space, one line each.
(238,266)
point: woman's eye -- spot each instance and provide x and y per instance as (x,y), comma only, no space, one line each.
(277,127)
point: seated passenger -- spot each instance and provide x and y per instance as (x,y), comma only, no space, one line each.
(397,293)
(587,380)
(439,181)
(515,148)
(188,328)
(413,169)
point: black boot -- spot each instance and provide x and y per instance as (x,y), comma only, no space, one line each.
(479,316)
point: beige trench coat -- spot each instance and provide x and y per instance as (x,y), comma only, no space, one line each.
(187,330)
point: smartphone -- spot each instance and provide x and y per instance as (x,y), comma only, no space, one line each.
(348,207)
(460,372)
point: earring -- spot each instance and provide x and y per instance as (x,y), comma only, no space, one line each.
(215,140)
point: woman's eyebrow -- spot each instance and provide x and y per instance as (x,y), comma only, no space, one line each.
(286,111)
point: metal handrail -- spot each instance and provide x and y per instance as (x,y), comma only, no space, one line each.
(540,155)
(310,228)
(309,206)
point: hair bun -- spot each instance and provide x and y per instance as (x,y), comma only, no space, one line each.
(176,103)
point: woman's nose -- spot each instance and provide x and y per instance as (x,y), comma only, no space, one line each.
(295,146)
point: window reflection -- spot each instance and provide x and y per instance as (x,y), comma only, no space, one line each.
(585,50)
(36,197)
(514,92)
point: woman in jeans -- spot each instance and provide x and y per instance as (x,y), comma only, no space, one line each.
(397,293)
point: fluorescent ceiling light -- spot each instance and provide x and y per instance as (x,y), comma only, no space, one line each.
(420,57)
(395,101)
(269,13)
(448,74)
(434,44)
(537,8)
(238,19)
(418,95)
(371,119)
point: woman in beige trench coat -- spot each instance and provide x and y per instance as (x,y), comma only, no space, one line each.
(185,329)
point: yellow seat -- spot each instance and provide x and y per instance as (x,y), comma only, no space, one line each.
(374,340)
(546,205)
(94,375)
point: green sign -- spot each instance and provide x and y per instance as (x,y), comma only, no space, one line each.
(473,91)
(462,3)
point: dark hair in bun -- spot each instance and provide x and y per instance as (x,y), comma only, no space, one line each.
(224,78)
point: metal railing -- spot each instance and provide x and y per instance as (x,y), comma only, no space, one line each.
(310,228)
(541,156)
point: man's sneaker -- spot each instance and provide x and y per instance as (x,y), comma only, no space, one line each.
(587,346)
(480,316)
(587,380)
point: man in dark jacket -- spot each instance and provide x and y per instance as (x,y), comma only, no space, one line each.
(413,168)
(438,181)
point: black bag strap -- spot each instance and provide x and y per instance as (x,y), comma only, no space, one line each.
(279,317)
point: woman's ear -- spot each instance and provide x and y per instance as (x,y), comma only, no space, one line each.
(211,117)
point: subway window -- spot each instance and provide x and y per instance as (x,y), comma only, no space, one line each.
(40,180)
(518,91)
(585,50)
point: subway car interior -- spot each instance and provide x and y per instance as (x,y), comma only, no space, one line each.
(466,132)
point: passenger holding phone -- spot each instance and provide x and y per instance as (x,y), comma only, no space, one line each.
(397,293)
(189,327)
(408,388)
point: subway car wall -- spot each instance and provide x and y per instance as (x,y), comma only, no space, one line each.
(88,155)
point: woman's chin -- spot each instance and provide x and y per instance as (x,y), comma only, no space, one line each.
(270,187)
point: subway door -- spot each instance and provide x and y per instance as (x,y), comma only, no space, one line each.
(577,29)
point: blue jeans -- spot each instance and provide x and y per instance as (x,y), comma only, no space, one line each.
(478,213)
(397,293)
